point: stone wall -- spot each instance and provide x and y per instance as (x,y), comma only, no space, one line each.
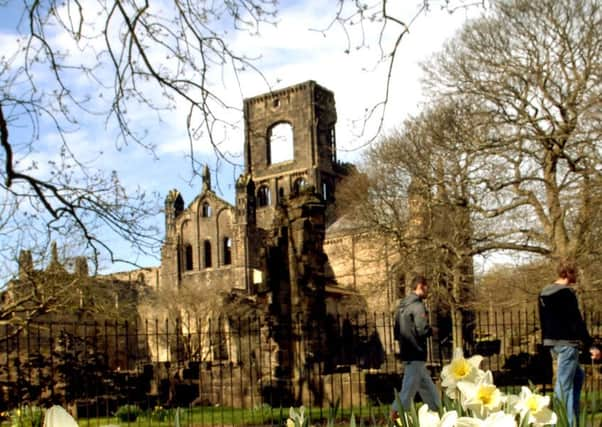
(364,262)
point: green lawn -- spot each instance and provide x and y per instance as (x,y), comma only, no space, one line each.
(591,404)
(207,416)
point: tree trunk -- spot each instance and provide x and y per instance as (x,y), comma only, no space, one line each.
(457,330)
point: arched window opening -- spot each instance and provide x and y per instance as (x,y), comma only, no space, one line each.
(263,196)
(206,210)
(299,185)
(227,247)
(207,253)
(178,205)
(280,143)
(188,257)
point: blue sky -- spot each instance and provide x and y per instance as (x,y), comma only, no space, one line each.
(288,53)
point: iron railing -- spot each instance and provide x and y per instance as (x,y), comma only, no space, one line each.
(248,370)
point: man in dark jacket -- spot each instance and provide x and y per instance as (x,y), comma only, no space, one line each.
(412,330)
(563,330)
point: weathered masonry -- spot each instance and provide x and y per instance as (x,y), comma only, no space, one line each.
(289,182)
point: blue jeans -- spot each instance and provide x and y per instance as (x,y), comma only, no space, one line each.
(569,380)
(417,379)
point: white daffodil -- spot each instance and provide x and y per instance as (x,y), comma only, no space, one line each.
(428,418)
(496,419)
(481,397)
(57,416)
(296,417)
(511,400)
(460,369)
(449,419)
(535,407)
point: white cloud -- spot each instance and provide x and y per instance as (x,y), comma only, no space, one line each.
(291,53)
(10,44)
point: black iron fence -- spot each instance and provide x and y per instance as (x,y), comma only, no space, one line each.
(247,370)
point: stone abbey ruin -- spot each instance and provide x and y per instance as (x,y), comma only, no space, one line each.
(279,283)
(272,249)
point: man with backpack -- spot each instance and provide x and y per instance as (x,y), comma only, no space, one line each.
(411,330)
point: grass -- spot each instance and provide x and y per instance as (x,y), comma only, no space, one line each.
(591,404)
(261,416)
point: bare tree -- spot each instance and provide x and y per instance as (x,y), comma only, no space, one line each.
(508,158)
(394,21)
(589,250)
(64,292)
(416,191)
(105,60)
(200,315)
(532,70)
(513,286)
(129,56)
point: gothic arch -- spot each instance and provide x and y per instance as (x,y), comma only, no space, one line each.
(280,143)
(224,219)
(299,184)
(188,257)
(264,197)
(186,248)
(206,211)
(207,254)
(226,250)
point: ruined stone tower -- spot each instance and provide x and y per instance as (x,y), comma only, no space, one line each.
(269,244)
(289,150)
(290,145)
